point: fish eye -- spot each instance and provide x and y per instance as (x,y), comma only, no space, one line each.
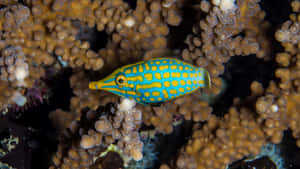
(120,80)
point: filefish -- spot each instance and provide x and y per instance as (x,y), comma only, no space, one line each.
(154,81)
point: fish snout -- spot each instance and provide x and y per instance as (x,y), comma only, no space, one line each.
(103,84)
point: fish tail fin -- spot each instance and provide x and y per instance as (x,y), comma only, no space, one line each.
(207,79)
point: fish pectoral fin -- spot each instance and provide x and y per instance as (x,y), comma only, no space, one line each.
(139,94)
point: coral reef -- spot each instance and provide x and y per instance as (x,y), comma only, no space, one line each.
(220,142)
(96,129)
(288,71)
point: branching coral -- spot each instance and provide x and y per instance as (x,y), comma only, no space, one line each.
(222,141)
(288,71)
(97,130)
(39,34)
(85,97)
(27,46)
(222,33)
(142,31)
(45,32)
(276,107)
(13,66)
(186,107)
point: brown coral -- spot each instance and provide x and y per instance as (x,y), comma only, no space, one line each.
(85,97)
(28,43)
(218,36)
(36,35)
(222,141)
(96,131)
(169,114)
(288,71)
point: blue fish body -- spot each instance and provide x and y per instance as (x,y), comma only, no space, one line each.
(154,81)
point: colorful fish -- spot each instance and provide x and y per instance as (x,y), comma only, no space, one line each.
(154,81)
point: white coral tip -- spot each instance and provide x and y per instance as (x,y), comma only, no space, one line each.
(126,104)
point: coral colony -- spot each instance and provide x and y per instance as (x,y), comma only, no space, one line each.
(98,127)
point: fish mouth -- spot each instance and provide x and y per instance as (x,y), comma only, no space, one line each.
(93,85)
